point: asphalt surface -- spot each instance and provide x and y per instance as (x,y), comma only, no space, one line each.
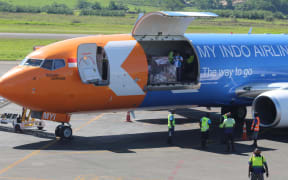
(105,147)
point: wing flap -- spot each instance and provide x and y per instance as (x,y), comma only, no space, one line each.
(252,90)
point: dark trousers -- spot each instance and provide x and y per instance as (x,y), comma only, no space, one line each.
(257,176)
(229,138)
(170,135)
(179,73)
(204,137)
(255,137)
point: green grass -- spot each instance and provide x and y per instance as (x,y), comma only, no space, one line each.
(17,49)
(45,23)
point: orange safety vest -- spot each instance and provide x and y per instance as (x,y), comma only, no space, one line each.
(256,126)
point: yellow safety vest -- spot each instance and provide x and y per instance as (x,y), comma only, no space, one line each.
(171,119)
(204,124)
(228,123)
(257,161)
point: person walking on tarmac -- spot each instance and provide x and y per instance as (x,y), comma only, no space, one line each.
(171,127)
(257,162)
(228,125)
(255,128)
(204,126)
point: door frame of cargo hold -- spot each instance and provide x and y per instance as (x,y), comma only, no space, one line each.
(168,26)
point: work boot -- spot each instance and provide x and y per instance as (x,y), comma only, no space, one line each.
(254,143)
(228,149)
(169,140)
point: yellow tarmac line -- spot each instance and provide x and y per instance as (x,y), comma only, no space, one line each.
(89,122)
(35,152)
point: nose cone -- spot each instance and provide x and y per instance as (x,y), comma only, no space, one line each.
(9,84)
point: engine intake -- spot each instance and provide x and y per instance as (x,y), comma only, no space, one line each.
(272,107)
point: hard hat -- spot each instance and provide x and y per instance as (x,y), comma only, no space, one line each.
(257,151)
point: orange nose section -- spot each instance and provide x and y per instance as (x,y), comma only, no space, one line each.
(11,84)
(5,85)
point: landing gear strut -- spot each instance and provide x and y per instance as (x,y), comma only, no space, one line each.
(63,131)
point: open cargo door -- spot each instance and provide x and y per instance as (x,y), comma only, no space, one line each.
(161,35)
(166,23)
(87,64)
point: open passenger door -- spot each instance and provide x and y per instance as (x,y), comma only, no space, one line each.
(87,64)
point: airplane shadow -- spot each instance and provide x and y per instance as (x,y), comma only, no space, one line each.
(126,143)
(129,143)
(189,116)
(30,132)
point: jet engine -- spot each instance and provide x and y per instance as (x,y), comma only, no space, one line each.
(272,107)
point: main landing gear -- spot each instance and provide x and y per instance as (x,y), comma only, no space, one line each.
(238,112)
(64,131)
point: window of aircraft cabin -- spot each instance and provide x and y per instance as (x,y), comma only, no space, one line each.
(31,62)
(53,64)
(48,64)
(58,63)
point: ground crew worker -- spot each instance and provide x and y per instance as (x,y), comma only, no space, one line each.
(171,127)
(171,57)
(190,60)
(257,162)
(228,125)
(204,125)
(178,61)
(222,118)
(255,128)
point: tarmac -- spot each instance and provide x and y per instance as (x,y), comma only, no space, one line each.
(106,147)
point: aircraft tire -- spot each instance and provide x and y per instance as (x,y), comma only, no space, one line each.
(17,128)
(239,113)
(58,130)
(66,132)
(225,110)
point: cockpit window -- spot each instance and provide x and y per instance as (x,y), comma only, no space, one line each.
(53,64)
(32,62)
(48,64)
(59,63)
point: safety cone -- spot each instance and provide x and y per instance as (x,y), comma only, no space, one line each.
(128,117)
(244,135)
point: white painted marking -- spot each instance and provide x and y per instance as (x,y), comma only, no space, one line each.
(121,82)
(185,91)
(72,65)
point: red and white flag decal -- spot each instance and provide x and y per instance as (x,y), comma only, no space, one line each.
(72,62)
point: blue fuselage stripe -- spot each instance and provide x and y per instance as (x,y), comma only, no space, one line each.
(228,61)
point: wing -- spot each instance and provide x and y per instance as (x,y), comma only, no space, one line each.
(252,90)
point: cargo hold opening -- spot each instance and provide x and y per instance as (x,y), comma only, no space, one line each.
(163,70)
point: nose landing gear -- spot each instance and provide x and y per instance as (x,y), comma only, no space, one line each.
(64,131)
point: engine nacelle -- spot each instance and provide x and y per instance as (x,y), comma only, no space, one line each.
(272,107)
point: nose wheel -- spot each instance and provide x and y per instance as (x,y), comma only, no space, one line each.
(63,131)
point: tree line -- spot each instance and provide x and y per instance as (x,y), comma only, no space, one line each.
(85,7)
(251,9)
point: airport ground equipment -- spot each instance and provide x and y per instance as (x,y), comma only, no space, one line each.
(22,121)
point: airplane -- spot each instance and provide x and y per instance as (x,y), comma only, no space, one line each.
(127,72)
